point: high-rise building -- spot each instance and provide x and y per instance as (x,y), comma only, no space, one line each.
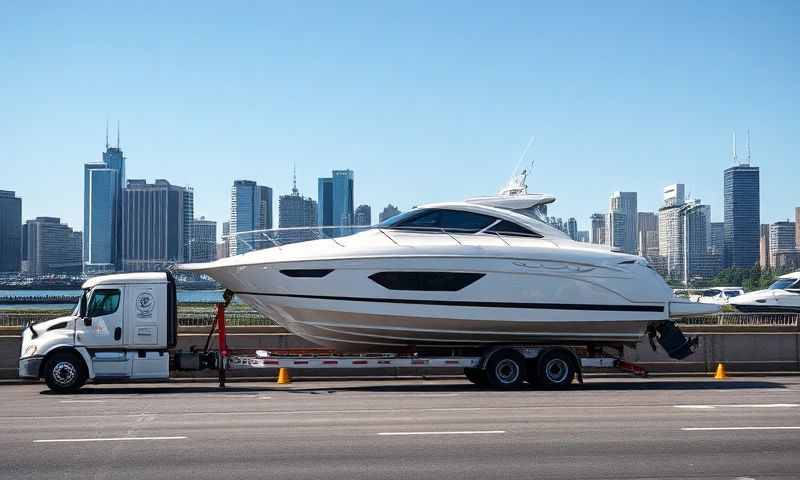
(572,228)
(781,240)
(188,224)
(388,212)
(296,211)
(616,230)
(583,236)
(742,212)
(674,195)
(598,228)
(670,239)
(224,246)
(797,227)
(50,247)
(336,200)
(717,244)
(154,231)
(625,203)
(363,215)
(102,210)
(697,224)
(251,209)
(204,240)
(763,246)
(647,233)
(10,231)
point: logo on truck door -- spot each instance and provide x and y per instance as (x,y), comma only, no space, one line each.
(144,305)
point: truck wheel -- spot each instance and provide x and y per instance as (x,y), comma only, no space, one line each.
(64,373)
(556,369)
(505,368)
(476,376)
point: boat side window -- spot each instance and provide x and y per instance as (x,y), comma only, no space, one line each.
(103,302)
(426,281)
(711,293)
(451,221)
(504,227)
(784,283)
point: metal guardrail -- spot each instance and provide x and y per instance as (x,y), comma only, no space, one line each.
(743,320)
(243,316)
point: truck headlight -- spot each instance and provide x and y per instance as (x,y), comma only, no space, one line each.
(30,351)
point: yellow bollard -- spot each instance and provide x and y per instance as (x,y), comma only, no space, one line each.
(283,377)
(721,374)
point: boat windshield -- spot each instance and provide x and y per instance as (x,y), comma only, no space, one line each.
(784,283)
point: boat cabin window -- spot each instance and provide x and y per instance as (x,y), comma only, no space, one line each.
(504,227)
(451,221)
(711,293)
(425,281)
(784,283)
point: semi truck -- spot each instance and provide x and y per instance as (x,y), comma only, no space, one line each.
(125,328)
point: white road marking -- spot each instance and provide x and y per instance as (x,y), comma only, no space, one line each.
(739,405)
(83,401)
(706,429)
(110,439)
(464,432)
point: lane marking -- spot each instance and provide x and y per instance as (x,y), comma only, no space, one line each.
(82,401)
(464,432)
(707,429)
(109,439)
(739,405)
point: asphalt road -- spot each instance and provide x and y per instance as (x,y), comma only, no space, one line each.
(607,429)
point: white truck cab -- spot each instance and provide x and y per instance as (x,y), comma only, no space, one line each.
(122,328)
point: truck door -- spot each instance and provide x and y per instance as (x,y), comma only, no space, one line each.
(103,323)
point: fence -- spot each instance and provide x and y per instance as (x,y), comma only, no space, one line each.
(743,320)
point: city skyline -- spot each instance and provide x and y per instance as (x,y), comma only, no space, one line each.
(637,101)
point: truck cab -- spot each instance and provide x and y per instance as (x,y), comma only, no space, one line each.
(122,329)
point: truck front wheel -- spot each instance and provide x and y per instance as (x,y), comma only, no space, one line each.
(64,373)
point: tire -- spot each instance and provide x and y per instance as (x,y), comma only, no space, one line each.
(506,368)
(556,369)
(64,373)
(476,376)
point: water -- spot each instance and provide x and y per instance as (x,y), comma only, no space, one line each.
(184,296)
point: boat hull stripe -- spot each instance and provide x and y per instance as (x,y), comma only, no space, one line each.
(465,303)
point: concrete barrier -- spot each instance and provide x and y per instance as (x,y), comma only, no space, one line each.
(742,350)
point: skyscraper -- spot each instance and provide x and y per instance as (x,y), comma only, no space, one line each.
(102,210)
(583,236)
(50,247)
(717,244)
(674,195)
(204,240)
(296,211)
(572,228)
(388,212)
(616,230)
(781,240)
(647,233)
(154,232)
(363,215)
(742,212)
(625,203)
(797,227)
(598,228)
(224,246)
(336,200)
(763,246)
(670,238)
(251,209)
(10,231)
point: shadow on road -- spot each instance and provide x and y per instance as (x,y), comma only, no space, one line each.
(422,386)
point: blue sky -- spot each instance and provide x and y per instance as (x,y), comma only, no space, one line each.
(425,101)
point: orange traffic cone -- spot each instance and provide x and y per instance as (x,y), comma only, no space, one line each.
(283,377)
(721,374)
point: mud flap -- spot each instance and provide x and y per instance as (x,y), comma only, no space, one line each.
(672,340)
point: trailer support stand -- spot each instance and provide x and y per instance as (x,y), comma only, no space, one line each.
(224,353)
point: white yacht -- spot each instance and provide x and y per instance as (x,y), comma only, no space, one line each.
(460,274)
(783,296)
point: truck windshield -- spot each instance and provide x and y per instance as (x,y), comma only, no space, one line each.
(80,308)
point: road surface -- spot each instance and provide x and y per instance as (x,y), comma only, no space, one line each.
(611,428)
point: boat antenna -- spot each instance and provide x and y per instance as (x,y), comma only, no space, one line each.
(524,154)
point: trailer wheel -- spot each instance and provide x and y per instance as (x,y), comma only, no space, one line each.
(505,368)
(556,369)
(64,373)
(476,376)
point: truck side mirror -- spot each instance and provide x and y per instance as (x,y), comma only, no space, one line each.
(87,321)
